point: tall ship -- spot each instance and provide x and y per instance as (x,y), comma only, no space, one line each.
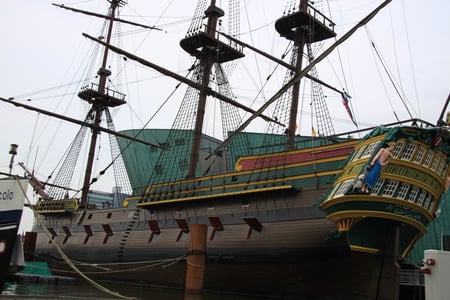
(321,215)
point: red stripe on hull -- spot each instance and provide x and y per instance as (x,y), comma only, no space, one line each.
(251,163)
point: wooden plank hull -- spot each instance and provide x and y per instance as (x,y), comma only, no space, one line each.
(294,253)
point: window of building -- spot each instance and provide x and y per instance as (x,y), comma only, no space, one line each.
(180,142)
(165,145)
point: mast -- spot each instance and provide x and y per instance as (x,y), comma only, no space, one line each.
(101,98)
(212,13)
(307,25)
(211,50)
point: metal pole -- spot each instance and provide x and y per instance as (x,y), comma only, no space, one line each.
(13,152)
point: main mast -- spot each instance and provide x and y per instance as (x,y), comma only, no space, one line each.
(306,25)
(101,98)
(206,46)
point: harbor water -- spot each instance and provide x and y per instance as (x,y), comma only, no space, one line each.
(81,290)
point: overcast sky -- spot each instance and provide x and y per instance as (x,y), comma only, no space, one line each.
(43,58)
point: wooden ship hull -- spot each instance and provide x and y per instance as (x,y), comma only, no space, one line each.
(276,243)
(282,231)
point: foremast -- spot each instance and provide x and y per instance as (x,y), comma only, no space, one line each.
(101,98)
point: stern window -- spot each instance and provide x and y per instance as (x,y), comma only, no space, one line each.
(428,158)
(398,148)
(370,149)
(413,194)
(428,201)
(421,197)
(409,151)
(390,188)
(436,162)
(403,190)
(378,186)
(419,155)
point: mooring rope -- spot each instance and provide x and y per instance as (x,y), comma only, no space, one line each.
(164,263)
(64,256)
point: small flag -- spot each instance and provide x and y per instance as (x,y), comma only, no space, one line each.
(345,98)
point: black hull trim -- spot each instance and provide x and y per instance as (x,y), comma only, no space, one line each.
(341,274)
(7,239)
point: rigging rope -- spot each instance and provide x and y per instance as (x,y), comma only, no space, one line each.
(410,56)
(65,173)
(174,164)
(388,73)
(120,174)
(197,19)
(138,133)
(324,124)
(303,72)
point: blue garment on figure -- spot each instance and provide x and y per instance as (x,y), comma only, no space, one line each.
(372,176)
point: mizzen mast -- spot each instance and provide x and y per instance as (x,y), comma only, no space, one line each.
(303,25)
(100,97)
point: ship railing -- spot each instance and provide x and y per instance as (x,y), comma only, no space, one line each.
(343,136)
(57,206)
(219,37)
(316,14)
(321,17)
(409,122)
(411,277)
(109,92)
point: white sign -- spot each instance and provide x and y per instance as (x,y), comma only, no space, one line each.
(12,193)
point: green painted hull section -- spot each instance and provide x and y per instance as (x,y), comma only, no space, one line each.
(406,193)
(371,233)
